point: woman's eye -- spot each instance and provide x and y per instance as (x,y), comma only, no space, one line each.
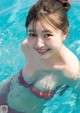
(32,35)
(48,35)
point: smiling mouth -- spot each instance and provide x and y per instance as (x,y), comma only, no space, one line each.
(42,52)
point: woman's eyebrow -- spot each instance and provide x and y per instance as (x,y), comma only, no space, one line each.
(31,30)
(44,31)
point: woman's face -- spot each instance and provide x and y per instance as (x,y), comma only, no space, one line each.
(44,42)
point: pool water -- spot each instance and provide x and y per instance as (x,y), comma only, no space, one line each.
(13,32)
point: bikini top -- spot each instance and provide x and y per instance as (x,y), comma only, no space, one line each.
(41,94)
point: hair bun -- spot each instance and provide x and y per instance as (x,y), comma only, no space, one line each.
(65,4)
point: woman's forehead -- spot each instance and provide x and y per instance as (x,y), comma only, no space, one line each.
(41,24)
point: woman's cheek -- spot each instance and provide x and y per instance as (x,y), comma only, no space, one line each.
(54,43)
(31,41)
(51,43)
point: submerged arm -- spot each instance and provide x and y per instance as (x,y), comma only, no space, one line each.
(4,84)
(74,82)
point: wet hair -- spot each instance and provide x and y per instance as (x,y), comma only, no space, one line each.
(54,12)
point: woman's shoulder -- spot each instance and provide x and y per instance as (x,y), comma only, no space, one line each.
(24,45)
(25,48)
(24,42)
(27,51)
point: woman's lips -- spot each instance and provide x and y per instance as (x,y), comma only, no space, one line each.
(42,51)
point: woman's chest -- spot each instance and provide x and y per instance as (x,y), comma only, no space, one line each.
(46,82)
(22,100)
(49,79)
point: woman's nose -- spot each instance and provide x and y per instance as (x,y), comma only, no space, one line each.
(40,43)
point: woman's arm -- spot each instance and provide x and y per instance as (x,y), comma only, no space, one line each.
(4,84)
(75,82)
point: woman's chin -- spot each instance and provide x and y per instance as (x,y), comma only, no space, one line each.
(44,55)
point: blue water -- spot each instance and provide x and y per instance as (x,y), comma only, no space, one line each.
(12,33)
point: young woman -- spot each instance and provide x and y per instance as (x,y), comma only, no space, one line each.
(49,63)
